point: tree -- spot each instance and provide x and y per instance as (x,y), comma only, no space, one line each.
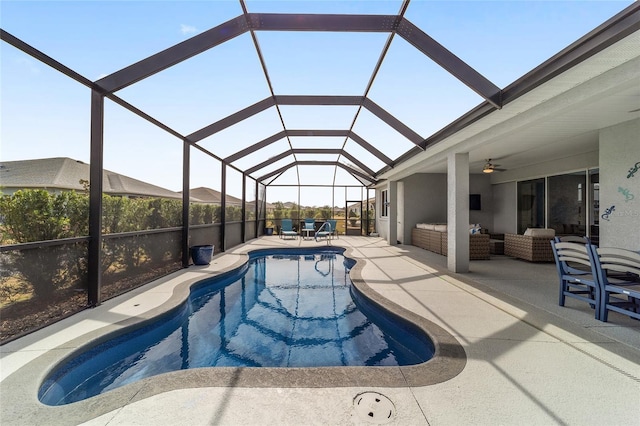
(353,216)
(325,212)
(310,212)
(279,210)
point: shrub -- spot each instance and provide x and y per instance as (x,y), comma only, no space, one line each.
(37,215)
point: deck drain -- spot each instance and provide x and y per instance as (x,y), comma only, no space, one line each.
(374,407)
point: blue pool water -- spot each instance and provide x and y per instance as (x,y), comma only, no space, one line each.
(282,309)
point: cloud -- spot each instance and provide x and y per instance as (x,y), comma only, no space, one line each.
(187,29)
(30,65)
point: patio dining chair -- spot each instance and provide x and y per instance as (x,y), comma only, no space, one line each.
(286,230)
(576,267)
(618,272)
(572,239)
(576,273)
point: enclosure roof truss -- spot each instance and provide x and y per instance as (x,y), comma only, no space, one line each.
(613,30)
(252,22)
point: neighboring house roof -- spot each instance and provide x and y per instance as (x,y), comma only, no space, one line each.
(371,201)
(62,173)
(209,195)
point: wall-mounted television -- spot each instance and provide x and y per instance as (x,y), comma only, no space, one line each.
(475,202)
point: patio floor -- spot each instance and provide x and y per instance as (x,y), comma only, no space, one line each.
(529,361)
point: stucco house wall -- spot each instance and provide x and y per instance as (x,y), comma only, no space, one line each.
(504,201)
(620,186)
(424,199)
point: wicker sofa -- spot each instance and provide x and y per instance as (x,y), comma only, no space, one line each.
(534,245)
(433,237)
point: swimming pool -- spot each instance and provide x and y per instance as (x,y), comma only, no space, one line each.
(281,309)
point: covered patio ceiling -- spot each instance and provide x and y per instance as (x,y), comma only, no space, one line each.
(361,90)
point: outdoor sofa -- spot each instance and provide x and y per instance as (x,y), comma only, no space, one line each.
(433,237)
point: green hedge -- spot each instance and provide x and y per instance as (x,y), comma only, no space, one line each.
(33,215)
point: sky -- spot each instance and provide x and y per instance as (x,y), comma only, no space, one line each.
(46,114)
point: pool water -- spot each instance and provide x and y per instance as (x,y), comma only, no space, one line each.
(282,309)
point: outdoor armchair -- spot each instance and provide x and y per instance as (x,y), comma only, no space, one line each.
(618,272)
(286,230)
(576,273)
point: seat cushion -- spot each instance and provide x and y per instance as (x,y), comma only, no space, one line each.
(540,232)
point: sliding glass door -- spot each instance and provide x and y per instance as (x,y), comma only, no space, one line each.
(567,203)
(531,211)
(594,202)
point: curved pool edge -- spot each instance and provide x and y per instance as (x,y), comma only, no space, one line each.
(449,358)
(22,386)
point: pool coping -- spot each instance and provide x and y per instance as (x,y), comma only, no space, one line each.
(20,389)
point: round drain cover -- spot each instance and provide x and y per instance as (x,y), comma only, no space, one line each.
(374,407)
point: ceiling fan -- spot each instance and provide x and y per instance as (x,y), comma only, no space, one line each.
(489,167)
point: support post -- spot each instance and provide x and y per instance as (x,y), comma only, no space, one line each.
(257,210)
(368,225)
(94,254)
(458,212)
(223,208)
(392,213)
(244,209)
(186,167)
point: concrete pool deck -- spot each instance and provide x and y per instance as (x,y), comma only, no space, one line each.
(528,361)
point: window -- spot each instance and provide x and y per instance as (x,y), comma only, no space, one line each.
(384,203)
